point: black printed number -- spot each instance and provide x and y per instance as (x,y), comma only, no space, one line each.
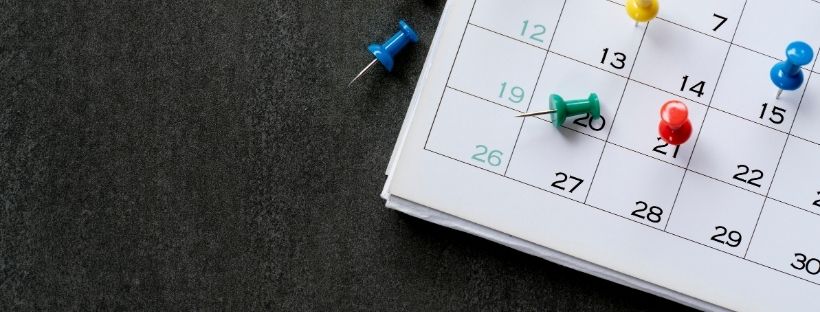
(776,113)
(722,20)
(697,88)
(661,149)
(803,262)
(587,122)
(817,202)
(563,178)
(724,236)
(752,175)
(654,214)
(618,63)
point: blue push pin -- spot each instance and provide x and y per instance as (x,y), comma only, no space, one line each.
(384,53)
(787,75)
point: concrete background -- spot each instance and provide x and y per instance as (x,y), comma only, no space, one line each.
(207,155)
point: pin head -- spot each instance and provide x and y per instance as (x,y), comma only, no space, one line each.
(386,51)
(674,127)
(674,114)
(563,109)
(642,10)
(787,75)
(799,53)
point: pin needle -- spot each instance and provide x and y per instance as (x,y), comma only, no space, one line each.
(386,51)
(362,72)
(552,111)
(779,92)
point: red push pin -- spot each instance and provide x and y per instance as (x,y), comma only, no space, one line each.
(675,127)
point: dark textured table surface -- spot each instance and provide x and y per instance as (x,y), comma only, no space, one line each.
(187,155)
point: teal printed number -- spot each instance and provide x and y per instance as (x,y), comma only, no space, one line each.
(516,94)
(536,32)
(487,156)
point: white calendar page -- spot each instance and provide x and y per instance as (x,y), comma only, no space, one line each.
(732,217)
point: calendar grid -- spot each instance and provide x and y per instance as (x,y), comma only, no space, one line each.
(811,70)
(705,115)
(614,116)
(619,216)
(708,106)
(783,150)
(543,63)
(449,75)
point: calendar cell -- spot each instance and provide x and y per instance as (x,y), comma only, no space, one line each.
(680,61)
(785,21)
(541,144)
(574,80)
(531,21)
(496,68)
(714,18)
(485,140)
(636,126)
(610,41)
(806,123)
(746,90)
(715,214)
(796,181)
(622,180)
(786,240)
(737,151)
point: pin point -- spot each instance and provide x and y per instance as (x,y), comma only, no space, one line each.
(787,75)
(675,127)
(642,10)
(385,52)
(561,109)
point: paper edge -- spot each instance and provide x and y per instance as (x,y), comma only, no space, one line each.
(437,217)
(411,109)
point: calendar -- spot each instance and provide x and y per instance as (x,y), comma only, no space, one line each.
(728,220)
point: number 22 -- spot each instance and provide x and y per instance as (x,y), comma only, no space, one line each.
(817,202)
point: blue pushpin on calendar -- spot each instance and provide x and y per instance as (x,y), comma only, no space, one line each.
(787,75)
(385,53)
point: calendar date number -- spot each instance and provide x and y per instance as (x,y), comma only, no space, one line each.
(722,21)
(775,114)
(817,202)
(748,176)
(586,121)
(617,59)
(727,237)
(535,32)
(486,156)
(695,87)
(513,94)
(804,263)
(645,211)
(661,148)
(567,182)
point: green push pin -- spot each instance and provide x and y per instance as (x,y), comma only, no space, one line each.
(561,109)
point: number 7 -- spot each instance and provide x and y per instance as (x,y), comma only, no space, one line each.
(722,20)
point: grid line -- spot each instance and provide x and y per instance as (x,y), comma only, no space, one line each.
(811,72)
